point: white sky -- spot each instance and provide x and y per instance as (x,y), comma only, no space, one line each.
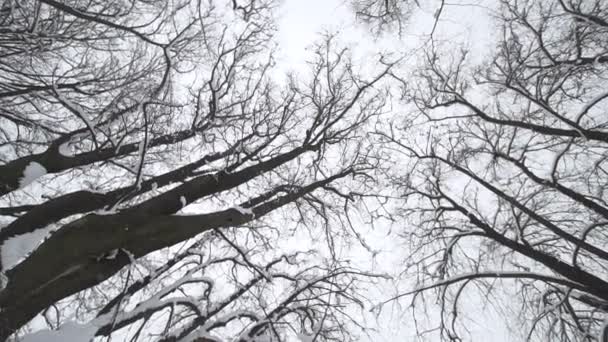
(300,25)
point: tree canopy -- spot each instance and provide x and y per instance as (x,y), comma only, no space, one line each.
(160,182)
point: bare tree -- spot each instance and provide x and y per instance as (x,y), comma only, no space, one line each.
(198,296)
(131,126)
(383,15)
(506,180)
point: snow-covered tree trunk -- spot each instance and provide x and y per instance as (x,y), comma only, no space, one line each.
(133,128)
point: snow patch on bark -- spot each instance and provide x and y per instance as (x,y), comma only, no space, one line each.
(112,254)
(31,172)
(17,248)
(244,211)
(67,332)
(65,149)
(106,211)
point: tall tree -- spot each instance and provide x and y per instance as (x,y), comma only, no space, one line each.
(506,186)
(145,151)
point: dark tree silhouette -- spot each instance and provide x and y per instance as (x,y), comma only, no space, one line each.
(506,181)
(118,117)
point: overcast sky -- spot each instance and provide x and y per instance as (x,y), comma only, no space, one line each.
(300,25)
